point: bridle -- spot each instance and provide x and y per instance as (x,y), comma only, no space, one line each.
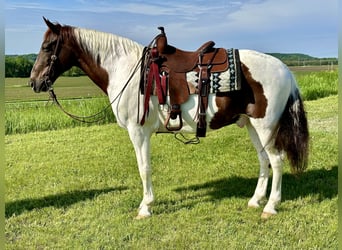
(47,81)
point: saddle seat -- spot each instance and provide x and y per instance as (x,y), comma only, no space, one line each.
(180,61)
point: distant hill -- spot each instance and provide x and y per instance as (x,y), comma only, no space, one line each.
(292,56)
(298,59)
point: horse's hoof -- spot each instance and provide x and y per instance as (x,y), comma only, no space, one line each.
(141,217)
(253,206)
(253,203)
(266,215)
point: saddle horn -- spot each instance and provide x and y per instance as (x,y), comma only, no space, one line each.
(161,41)
(162,30)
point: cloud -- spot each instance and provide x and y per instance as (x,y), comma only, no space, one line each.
(22,5)
(188,10)
(270,15)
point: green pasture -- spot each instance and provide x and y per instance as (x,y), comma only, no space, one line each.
(27,111)
(79,187)
(18,89)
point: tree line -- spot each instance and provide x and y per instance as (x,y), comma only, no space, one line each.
(20,66)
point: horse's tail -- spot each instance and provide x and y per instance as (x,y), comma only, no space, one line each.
(293,132)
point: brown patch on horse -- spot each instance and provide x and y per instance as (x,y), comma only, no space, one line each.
(92,67)
(230,106)
(257,109)
(250,100)
(95,72)
(81,58)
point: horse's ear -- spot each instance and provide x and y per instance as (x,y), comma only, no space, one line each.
(55,28)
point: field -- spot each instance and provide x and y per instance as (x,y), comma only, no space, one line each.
(78,187)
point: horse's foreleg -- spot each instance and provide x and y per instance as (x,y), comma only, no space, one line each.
(260,190)
(141,142)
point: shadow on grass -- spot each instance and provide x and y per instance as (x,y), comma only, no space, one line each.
(319,182)
(58,200)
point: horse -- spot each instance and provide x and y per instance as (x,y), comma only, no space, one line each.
(111,62)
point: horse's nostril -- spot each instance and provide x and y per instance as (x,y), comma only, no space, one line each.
(32,85)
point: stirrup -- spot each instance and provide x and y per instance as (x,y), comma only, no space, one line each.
(173,114)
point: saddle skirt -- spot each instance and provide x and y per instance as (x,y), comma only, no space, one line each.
(221,82)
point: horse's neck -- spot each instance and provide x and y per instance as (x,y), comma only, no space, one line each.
(105,57)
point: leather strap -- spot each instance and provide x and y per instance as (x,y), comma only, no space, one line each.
(203,87)
(161,83)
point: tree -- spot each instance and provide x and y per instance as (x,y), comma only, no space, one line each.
(20,66)
(17,66)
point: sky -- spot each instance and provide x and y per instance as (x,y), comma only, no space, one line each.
(284,26)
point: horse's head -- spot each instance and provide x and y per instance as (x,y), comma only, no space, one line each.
(55,57)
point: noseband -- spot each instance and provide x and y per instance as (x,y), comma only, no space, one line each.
(47,81)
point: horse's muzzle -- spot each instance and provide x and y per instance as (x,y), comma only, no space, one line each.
(33,85)
(42,86)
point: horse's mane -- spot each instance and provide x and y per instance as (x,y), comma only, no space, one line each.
(103,44)
(98,44)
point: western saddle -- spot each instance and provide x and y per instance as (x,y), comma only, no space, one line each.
(168,66)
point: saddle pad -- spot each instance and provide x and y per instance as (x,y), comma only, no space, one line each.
(229,80)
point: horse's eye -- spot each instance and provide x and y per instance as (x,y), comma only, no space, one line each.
(46,47)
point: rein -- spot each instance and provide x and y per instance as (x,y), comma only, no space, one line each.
(95,117)
(84,119)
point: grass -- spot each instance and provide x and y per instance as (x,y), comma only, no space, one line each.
(79,188)
(17,89)
(315,85)
(26,117)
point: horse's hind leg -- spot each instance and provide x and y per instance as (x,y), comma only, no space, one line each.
(277,169)
(260,190)
(268,156)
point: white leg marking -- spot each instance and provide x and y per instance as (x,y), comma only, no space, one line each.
(260,190)
(277,167)
(140,138)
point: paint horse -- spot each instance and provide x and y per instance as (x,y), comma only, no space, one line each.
(111,62)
